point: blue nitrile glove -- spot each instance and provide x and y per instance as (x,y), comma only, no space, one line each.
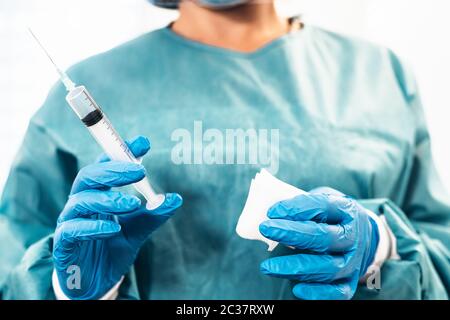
(99,230)
(337,235)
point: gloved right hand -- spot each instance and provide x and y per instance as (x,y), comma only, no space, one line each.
(99,232)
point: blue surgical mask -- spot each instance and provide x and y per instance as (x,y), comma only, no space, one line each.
(207,3)
(170,4)
(221,3)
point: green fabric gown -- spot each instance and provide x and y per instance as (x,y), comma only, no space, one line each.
(349,117)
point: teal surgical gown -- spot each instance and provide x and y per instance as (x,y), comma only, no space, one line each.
(348,116)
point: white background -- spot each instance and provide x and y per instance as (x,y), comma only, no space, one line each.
(418,30)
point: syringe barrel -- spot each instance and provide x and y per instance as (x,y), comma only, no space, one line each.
(107,137)
(81,101)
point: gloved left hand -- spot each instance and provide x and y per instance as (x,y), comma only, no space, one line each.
(339,239)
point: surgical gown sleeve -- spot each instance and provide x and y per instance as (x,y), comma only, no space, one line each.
(35,192)
(421,224)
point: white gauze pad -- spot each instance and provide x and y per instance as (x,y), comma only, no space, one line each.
(265,191)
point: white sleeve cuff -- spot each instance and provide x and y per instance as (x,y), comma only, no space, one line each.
(387,244)
(60,295)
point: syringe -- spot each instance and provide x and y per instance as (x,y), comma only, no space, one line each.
(102,130)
